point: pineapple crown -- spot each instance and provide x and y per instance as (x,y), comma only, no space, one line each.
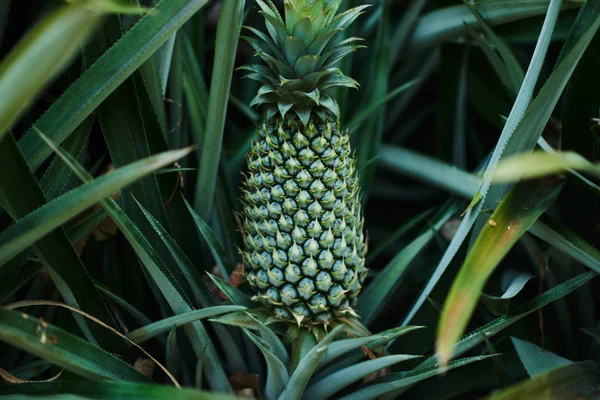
(300,54)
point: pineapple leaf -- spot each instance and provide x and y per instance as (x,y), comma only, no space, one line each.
(331,384)
(147,332)
(277,374)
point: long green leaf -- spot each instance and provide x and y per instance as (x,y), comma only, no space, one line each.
(62,348)
(228,34)
(277,374)
(102,78)
(335,382)
(308,365)
(58,211)
(41,55)
(511,219)
(149,331)
(464,184)
(450,22)
(406,380)
(538,164)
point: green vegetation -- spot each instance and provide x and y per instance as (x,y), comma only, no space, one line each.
(451,148)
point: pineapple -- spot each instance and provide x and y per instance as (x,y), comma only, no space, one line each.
(302,221)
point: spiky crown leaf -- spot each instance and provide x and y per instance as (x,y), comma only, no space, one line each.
(300,54)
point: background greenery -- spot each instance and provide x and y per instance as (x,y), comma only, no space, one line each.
(448,90)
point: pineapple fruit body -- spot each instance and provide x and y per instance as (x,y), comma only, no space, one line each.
(303,226)
(302,221)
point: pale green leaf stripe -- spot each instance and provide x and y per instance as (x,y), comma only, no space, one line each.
(40,56)
(62,348)
(407,379)
(450,22)
(228,35)
(53,214)
(107,390)
(538,164)
(102,78)
(149,331)
(328,386)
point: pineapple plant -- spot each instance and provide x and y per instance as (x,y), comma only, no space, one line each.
(105,290)
(302,218)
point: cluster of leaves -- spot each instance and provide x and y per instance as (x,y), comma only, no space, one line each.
(110,224)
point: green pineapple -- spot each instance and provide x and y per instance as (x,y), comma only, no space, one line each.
(302,219)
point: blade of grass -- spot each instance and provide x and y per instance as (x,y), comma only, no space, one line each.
(536,360)
(428,169)
(513,282)
(118,63)
(342,347)
(228,34)
(539,164)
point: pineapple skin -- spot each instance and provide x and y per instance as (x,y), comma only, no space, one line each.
(302,221)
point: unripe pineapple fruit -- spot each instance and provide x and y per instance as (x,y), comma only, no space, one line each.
(302,220)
